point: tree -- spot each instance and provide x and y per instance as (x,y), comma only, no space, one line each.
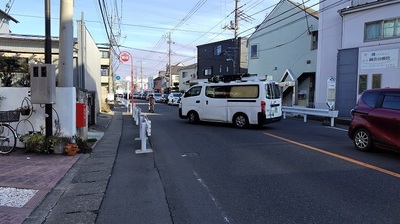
(11,69)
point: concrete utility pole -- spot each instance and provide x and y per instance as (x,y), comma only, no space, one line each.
(110,68)
(169,61)
(236,25)
(236,44)
(65,66)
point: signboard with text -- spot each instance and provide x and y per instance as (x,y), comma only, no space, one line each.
(380,59)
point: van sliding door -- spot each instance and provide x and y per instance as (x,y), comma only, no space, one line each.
(214,107)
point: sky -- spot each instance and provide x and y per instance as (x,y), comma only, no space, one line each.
(141,27)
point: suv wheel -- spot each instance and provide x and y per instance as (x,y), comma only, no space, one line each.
(362,140)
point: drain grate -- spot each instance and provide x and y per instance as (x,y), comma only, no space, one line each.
(190,154)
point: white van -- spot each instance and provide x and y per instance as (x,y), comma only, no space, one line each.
(240,102)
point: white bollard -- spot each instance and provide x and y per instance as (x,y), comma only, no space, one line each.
(148,127)
(138,112)
(143,137)
(139,121)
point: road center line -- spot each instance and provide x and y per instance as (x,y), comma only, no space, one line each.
(337,156)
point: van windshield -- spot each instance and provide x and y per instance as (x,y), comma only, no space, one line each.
(273,91)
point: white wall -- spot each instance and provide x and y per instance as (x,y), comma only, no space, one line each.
(353,30)
(329,41)
(93,69)
(354,23)
(65,107)
(283,43)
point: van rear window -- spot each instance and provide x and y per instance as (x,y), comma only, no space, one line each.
(273,91)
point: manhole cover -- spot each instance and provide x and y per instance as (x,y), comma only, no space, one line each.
(190,154)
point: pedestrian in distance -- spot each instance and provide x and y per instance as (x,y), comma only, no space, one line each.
(152,102)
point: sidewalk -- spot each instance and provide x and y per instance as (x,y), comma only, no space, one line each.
(41,174)
(78,196)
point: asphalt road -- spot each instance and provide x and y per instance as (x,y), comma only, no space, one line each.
(287,172)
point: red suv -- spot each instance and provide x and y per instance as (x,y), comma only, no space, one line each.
(376,120)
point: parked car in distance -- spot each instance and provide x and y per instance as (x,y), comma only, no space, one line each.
(173,98)
(376,120)
(164,98)
(157,97)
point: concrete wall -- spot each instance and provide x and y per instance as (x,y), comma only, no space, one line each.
(92,69)
(63,110)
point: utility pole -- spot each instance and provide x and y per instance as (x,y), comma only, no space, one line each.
(47,60)
(110,67)
(236,44)
(169,61)
(236,24)
(141,76)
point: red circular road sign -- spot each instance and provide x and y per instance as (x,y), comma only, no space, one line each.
(124,56)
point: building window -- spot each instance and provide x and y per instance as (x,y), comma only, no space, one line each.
(376,81)
(105,54)
(254,51)
(314,40)
(104,71)
(184,74)
(218,50)
(207,71)
(382,29)
(362,83)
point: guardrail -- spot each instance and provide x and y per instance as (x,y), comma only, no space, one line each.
(127,104)
(311,111)
(145,129)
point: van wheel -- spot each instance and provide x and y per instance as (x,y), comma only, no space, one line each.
(240,120)
(193,117)
(362,140)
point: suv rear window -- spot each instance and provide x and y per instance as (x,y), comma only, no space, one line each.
(370,98)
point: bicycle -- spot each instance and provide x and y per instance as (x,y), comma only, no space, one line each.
(8,135)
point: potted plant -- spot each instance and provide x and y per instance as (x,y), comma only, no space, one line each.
(25,110)
(35,142)
(26,107)
(56,144)
(71,149)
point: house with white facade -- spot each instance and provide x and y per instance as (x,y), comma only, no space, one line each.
(284,47)
(29,52)
(187,74)
(359,45)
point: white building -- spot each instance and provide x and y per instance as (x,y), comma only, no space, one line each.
(284,46)
(359,45)
(186,75)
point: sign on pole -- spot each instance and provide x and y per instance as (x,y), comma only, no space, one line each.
(331,94)
(124,56)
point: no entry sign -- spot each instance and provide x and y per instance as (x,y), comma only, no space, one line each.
(124,56)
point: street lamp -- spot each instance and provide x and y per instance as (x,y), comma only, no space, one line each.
(124,57)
